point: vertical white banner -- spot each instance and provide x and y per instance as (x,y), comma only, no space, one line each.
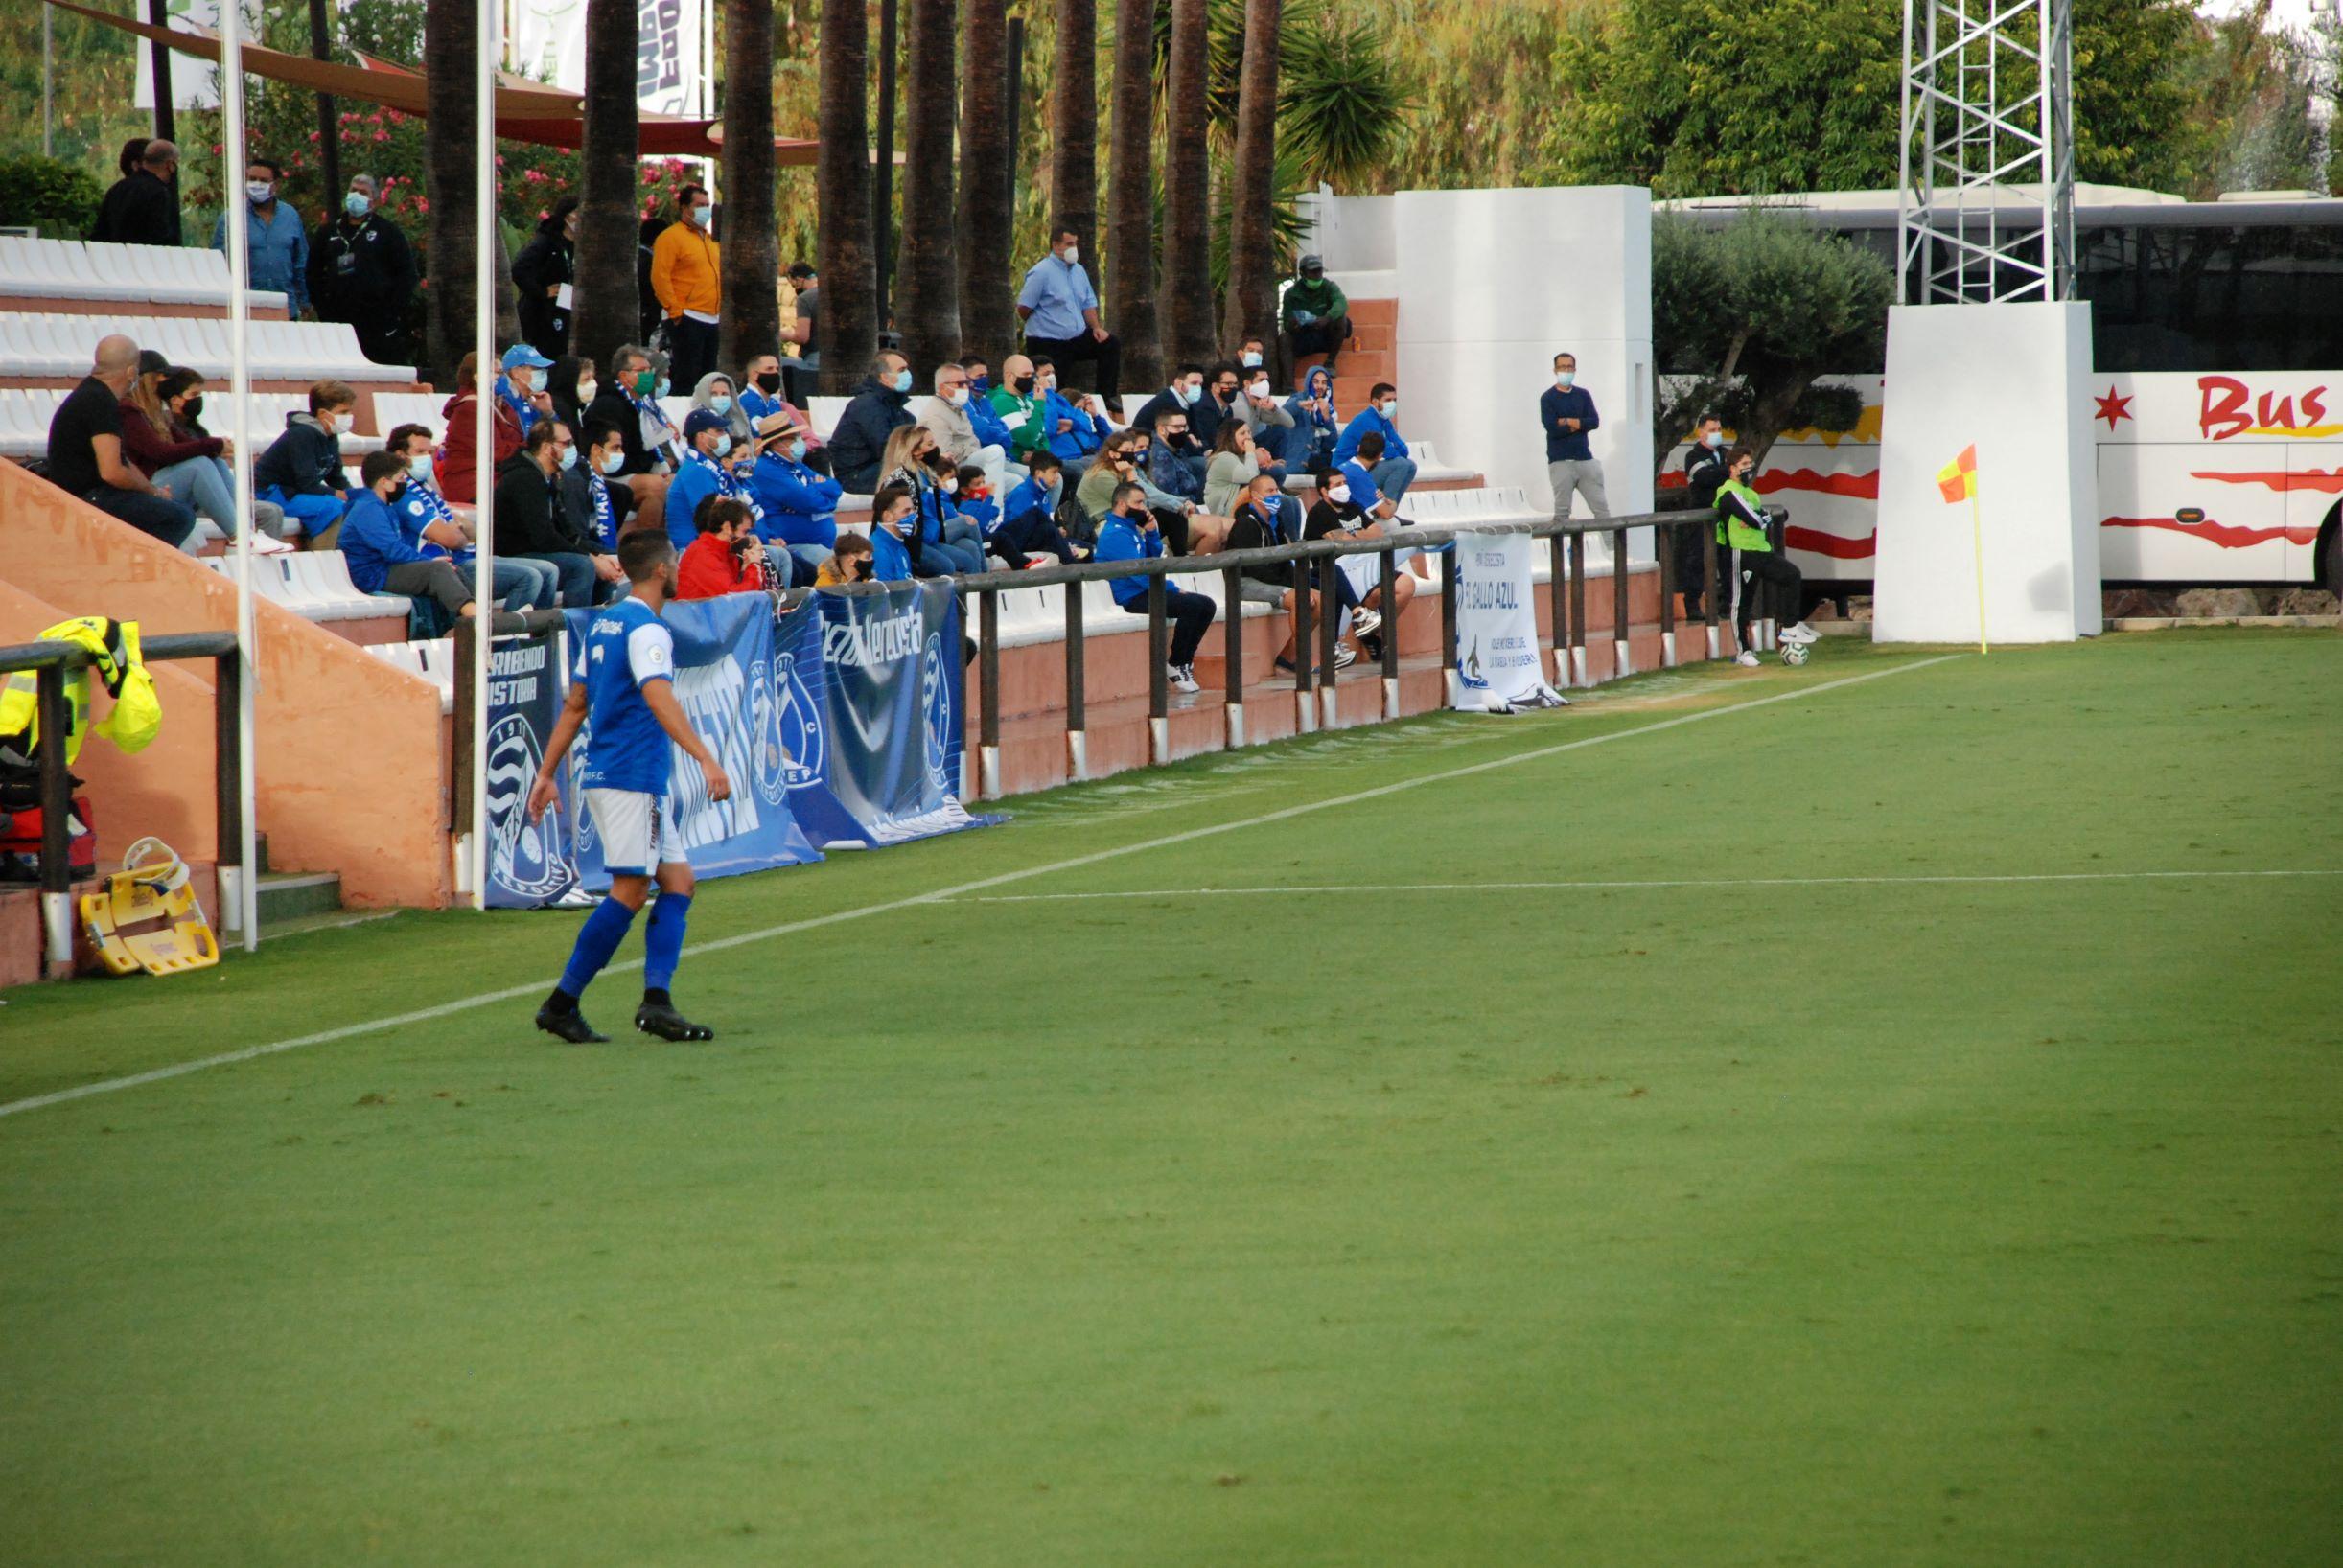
(1498,666)
(671,57)
(194,84)
(548,42)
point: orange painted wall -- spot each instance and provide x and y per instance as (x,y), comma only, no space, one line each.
(352,766)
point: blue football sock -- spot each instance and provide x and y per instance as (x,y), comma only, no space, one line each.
(663,940)
(597,939)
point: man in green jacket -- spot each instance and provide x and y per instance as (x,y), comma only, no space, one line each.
(1019,406)
(1315,317)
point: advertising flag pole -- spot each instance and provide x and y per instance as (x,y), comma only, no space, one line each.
(484,446)
(243,898)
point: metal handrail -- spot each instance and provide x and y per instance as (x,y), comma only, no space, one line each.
(51,662)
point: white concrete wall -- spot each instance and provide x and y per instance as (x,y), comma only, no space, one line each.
(2013,380)
(1491,286)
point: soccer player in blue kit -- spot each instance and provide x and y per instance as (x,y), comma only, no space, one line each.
(625,682)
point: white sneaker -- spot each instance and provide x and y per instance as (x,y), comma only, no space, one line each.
(1364,621)
(1746,660)
(1800,633)
(1345,655)
(1183,678)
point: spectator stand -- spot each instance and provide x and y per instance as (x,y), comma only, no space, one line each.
(77,277)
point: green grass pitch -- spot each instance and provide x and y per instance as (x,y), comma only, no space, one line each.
(1472,1191)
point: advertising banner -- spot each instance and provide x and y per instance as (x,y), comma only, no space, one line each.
(529,863)
(1498,666)
(723,678)
(892,664)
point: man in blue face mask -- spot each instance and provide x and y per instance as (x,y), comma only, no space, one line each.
(1060,311)
(362,270)
(879,408)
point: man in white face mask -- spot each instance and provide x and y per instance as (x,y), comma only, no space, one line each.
(276,248)
(1704,471)
(362,270)
(685,276)
(945,417)
(1567,410)
(1060,311)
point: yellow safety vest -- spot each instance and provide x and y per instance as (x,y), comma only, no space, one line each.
(137,712)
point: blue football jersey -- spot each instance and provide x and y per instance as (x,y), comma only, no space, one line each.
(626,649)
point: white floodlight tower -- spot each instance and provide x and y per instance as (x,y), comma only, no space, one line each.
(1989,104)
(1989,354)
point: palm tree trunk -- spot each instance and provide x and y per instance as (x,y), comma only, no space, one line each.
(1074,121)
(751,255)
(609,308)
(449,132)
(1252,262)
(984,293)
(1131,214)
(1186,278)
(848,326)
(929,308)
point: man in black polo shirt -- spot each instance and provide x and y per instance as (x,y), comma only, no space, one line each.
(85,449)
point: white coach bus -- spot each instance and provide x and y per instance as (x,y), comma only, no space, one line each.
(2217,402)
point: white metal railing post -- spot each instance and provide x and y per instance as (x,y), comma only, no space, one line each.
(484,444)
(243,899)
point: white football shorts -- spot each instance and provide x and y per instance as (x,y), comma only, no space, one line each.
(636,829)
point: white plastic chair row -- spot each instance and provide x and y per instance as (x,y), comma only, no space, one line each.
(1429,466)
(48,343)
(134,274)
(392,409)
(433,660)
(315,585)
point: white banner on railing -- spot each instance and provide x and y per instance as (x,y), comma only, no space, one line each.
(1499,668)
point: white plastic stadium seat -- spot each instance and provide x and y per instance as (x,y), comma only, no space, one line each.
(392,409)
(426,660)
(824,411)
(315,585)
(1429,464)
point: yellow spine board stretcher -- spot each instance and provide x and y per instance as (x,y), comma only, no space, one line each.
(146,916)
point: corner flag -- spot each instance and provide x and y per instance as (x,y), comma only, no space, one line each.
(1957,481)
(1957,478)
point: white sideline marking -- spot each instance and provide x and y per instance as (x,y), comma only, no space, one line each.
(513,993)
(1651,882)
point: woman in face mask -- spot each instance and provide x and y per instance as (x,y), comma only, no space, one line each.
(760,391)
(715,393)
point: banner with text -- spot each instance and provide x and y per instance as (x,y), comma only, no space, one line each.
(723,678)
(1499,668)
(529,863)
(892,671)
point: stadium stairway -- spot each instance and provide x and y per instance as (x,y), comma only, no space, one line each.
(352,749)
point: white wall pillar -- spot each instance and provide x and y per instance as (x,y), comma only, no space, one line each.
(2010,379)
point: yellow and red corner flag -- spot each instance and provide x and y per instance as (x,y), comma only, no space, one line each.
(1957,478)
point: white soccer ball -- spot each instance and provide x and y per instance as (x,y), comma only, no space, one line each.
(1794,653)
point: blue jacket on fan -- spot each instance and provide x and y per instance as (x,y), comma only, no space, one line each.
(1120,539)
(1366,419)
(800,505)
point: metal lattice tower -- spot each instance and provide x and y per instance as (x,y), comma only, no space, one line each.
(1988,106)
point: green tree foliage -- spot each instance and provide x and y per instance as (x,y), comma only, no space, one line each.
(58,199)
(1745,317)
(1703,98)
(1481,80)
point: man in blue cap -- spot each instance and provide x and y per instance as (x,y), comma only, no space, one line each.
(521,388)
(706,470)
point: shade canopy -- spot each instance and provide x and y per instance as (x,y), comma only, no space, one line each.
(526,111)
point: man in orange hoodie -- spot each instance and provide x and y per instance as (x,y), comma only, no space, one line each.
(684,276)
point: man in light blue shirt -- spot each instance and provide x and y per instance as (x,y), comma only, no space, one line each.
(1060,312)
(276,246)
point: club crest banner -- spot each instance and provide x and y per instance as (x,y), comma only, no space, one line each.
(529,863)
(891,667)
(1498,666)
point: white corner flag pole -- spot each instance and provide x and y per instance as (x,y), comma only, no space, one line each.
(243,898)
(1977,536)
(484,447)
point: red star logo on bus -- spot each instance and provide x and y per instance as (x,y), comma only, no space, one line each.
(2112,409)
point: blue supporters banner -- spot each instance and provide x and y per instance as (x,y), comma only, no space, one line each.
(529,863)
(724,656)
(892,664)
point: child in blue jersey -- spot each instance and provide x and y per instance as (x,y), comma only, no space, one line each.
(626,685)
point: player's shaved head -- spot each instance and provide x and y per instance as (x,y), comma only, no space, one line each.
(641,553)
